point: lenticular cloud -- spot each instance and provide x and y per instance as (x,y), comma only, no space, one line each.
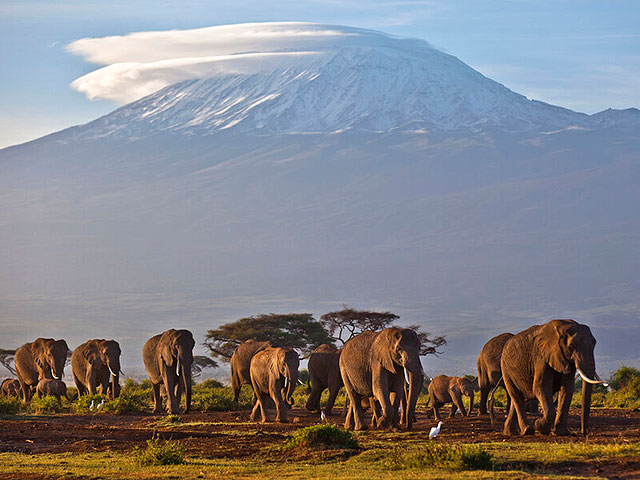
(141,63)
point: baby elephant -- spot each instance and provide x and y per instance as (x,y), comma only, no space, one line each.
(11,388)
(443,389)
(50,386)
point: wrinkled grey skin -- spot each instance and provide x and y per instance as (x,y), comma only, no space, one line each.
(444,389)
(42,358)
(240,365)
(274,374)
(489,369)
(324,372)
(373,364)
(96,365)
(11,388)
(541,361)
(168,358)
(51,386)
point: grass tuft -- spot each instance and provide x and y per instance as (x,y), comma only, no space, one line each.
(440,455)
(9,405)
(160,452)
(323,436)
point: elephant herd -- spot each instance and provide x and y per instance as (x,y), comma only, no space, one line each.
(532,365)
(380,370)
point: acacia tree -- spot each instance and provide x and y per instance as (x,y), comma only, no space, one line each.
(349,322)
(200,362)
(6,359)
(294,330)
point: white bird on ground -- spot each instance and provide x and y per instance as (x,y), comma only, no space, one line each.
(435,431)
(100,405)
(323,417)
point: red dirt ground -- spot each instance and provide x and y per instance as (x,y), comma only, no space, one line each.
(235,436)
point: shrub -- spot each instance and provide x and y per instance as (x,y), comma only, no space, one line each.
(45,404)
(323,436)
(440,455)
(625,377)
(127,402)
(160,452)
(218,399)
(84,402)
(9,405)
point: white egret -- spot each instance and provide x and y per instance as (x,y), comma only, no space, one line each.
(435,431)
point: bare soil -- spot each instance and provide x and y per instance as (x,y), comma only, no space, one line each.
(233,435)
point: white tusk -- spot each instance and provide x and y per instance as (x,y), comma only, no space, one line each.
(111,371)
(178,366)
(406,375)
(285,382)
(604,384)
(300,382)
(588,380)
(54,376)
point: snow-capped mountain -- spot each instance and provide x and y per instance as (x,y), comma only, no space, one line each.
(297,167)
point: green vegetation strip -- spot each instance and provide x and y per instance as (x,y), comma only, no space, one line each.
(164,460)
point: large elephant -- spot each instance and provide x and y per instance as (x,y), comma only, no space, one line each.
(444,389)
(324,372)
(274,374)
(541,361)
(241,363)
(53,387)
(489,370)
(168,357)
(95,365)
(10,388)
(376,364)
(42,358)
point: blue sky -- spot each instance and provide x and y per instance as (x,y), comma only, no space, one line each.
(583,55)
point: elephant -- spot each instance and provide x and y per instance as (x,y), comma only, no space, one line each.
(489,370)
(444,389)
(240,365)
(51,386)
(324,372)
(95,365)
(11,388)
(42,358)
(377,364)
(543,360)
(168,357)
(274,374)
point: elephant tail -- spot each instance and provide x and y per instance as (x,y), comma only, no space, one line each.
(491,400)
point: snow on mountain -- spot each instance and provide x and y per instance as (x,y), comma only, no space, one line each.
(351,78)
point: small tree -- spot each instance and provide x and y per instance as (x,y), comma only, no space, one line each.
(6,359)
(294,330)
(200,362)
(349,322)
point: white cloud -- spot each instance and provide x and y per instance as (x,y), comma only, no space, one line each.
(140,63)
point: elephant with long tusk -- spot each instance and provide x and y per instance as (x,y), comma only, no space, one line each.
(94,365)
(541,361)
(40,359)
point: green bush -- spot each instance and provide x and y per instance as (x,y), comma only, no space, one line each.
(160,453)
(219,399)
(127,402)
(625,377)
(323,436)
(9,405)
(45,404)
(440,455)
(83,403)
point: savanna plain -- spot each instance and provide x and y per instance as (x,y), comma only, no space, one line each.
(51,439)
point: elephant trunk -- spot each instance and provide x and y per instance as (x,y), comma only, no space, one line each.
(415,382)
(470,403)
(586,405)
(186,379)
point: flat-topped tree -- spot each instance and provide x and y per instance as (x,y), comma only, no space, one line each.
(294,330)
(349,322)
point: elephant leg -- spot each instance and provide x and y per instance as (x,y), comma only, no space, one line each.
(508,405)
(564,402)
(25,391)
(517,405)
(348,421)
(333,393)
(542,389)
(436,410)
(381,394)
(510,424)
(376,414)
(281,406)
(313,403)
(395,407)
(262,401)
(459,405)
(484,395)
(254,412)
(355,410)
(169,386)
(157,400)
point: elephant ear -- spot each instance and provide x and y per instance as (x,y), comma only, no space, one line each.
(454,387)
(166,350)
(277,359)
(549,341)
(386,344)
(38,352)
